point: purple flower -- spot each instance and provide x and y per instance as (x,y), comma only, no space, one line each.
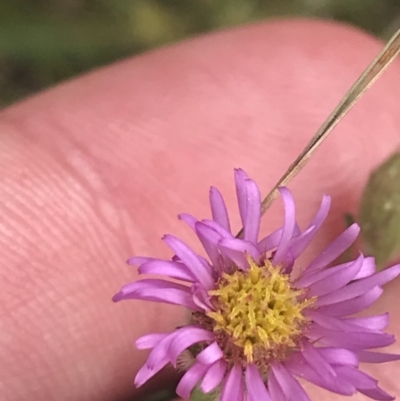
(254,324)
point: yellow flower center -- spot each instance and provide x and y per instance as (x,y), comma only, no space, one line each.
(259,309)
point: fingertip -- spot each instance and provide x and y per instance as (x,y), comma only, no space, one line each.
(132,145)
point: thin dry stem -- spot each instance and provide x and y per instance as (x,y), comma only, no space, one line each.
(370,75)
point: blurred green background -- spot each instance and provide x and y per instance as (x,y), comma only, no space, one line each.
(43,42)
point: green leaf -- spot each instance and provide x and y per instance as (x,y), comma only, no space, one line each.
(380,212)
(198,395)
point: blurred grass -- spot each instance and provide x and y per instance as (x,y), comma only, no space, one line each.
(43,42)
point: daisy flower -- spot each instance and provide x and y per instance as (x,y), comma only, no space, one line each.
(254,325)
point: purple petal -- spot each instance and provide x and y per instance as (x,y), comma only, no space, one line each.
(272,240)
(355,305)
(306,280)
(201,297)
(233,386)
(368,268)
(241,396)
(167,268)
(335,249)
(151,283)
(241,192)
(209,238)
(371,323)
(377,394)
(300,244)
(256,389)
(185,338)
(323,211)
(297,243)
(236,250)
(145,373)
(225,264)
(168,296)
(202,272)
(188,219)
(149,290)
(287,263)
(214,376)
(289,385)
(190,379)
(274,388)
(377,357)
(300,367)
(364,383)
(210,354)
(359,287)
(288,227)
(337,280)
(160,352)
(359,379)
(350,340)
(253,212)
(317,362)
(216,227)
(218,209)
(150,340)
(345,325)
(338,356)
(157,359)
(206,264)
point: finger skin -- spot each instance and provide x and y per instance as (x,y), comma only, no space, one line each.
(97,169)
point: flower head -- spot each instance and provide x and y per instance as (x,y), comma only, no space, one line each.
(254,324)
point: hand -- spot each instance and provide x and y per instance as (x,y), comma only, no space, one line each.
(97,169)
